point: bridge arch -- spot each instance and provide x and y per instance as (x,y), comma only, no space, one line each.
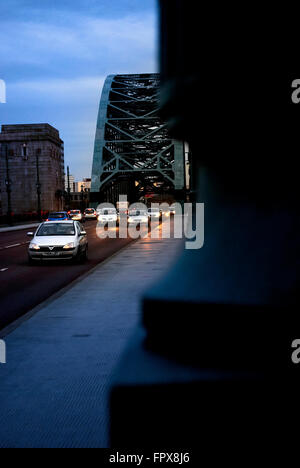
(133,151)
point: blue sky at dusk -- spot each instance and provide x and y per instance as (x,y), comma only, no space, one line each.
(55,55)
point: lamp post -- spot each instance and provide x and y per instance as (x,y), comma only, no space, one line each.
(38,184)
(82,208)
(8,186)
(86,196)
(24,152)
(69,189)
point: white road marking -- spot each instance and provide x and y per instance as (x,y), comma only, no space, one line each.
(3,269)
(14,245)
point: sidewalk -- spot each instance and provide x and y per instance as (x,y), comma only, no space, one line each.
(53,390)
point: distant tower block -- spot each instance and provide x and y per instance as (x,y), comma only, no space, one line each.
(133,152)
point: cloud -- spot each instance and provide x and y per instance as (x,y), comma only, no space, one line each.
(67,89)
(79,40)
(70,105)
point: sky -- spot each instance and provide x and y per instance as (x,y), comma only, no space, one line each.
(55,55)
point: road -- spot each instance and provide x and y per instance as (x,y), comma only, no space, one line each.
(23,286)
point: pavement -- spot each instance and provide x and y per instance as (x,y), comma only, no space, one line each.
(61,355)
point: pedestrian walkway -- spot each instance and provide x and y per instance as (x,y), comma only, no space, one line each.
(54,386)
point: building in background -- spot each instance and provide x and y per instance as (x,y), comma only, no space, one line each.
(80,197)
(31,169)
(71,181)
(84,184)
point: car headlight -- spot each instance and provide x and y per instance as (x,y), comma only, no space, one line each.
(34,246)
(71,245)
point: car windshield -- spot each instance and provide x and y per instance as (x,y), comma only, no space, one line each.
(153,210)
(108,212)
(137,213)
(89,211)
(75,212)
(57,229)
(57,215)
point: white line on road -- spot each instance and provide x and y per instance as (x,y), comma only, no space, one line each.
(14,245)
(3,269)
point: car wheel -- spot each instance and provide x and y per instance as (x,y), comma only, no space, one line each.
(81,257)
(84,255)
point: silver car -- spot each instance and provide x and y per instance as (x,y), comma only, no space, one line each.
(57,240)
(107,215)
(90,213)
(138,217)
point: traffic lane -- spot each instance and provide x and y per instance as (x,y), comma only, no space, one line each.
(11,238)
(24,286)
(14,237)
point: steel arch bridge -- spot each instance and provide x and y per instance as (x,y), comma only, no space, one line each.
(133,153)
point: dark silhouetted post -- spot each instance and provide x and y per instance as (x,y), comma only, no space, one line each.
(38,184)
(8,186)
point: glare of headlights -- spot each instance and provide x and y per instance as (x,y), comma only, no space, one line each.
(34,246)
(71,245)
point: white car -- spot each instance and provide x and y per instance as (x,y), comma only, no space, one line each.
(90,213)
(76,215)
(57,240)
(138,217)
(154,213)
(107,215)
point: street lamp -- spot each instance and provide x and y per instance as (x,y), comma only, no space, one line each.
(69,188)
(8,186)
(24,151)
(38,184)
(82,208)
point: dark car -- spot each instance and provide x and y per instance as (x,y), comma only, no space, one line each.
(58,215)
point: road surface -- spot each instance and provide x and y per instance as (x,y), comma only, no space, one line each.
(23,286)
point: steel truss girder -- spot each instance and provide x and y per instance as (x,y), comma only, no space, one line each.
(131,138)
